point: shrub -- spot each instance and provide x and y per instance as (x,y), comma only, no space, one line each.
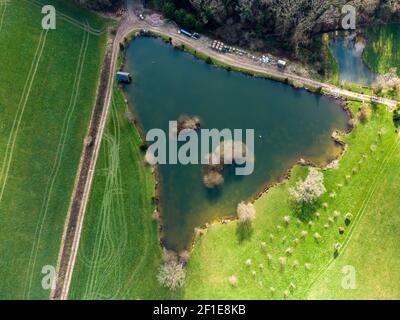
(246,212)
(286,293)
(363,114)
(271,237)
(263,245)
(348,217)
(303,234)
(289,251)
(286,219)
(317,236)
(233,280)
(282,262)
(336,214)
(337,247)
(171,275)
(156,216)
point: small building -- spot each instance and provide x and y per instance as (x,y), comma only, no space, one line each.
(124,77)
(281,64)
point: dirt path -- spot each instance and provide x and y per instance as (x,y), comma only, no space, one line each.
(79,200)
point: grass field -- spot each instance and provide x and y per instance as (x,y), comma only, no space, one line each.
(119,252)
(48,86)
(311,269)
(383,48)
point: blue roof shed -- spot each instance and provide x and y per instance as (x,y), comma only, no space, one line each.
(124,77)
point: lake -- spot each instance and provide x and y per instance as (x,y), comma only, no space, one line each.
(289,124)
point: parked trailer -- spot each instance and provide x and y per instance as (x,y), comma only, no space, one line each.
(186,33)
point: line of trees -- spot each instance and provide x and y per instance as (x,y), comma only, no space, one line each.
(101,5)
(181,14)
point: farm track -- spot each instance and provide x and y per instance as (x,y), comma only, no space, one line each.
(20,112)
(57,163)
(73,225)
(362,209)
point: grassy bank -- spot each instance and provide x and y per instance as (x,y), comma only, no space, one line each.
(364,172)
(48,87)
(383,48)
(333,74)
(119,252)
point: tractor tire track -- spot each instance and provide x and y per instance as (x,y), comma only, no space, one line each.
(361,211)
(72,21)
(107,253)
(59,156)
(20,112)
(2,12)
(83,182)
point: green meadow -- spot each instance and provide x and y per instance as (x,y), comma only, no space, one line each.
(47,92)
(364,185)
(383,48)
(48,88)
(119,253)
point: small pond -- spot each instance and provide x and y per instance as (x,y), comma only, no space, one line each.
(348,55)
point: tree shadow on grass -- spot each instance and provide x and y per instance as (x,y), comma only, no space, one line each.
(244,230)
(305,211)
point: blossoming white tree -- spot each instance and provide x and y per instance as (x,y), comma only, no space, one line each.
(246,212)
(172,275)
(309,190)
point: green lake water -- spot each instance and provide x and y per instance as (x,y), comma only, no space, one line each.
(289,124)
(351,65)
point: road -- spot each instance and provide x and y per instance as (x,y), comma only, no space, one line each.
(79,200)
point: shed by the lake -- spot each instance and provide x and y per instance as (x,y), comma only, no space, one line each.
(124,77)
